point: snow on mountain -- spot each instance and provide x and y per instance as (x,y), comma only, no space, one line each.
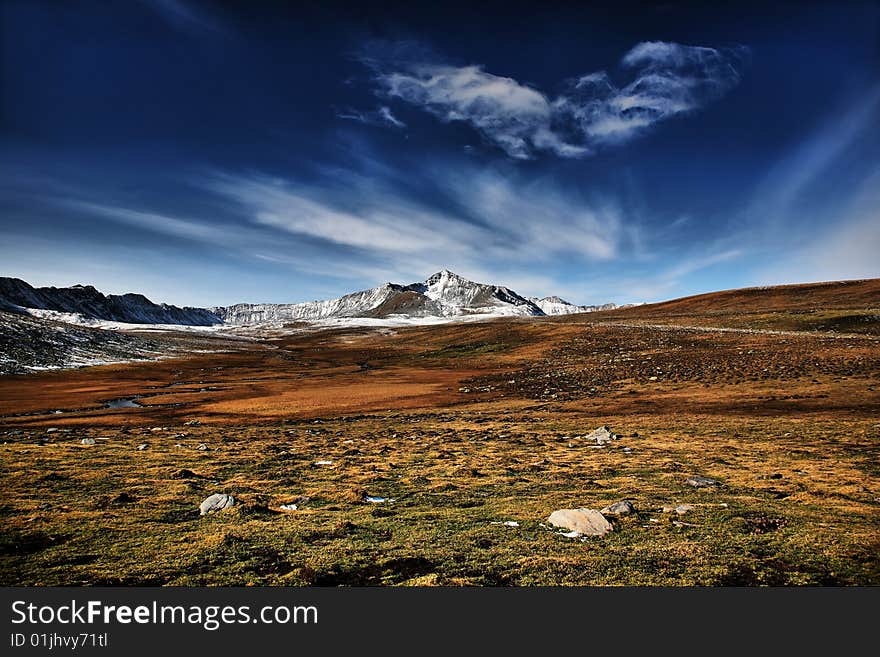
(444,294)
(557,306)
(351,305)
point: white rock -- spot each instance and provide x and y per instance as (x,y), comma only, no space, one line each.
(216,502)
(602,435)
(87,441)
(584,522)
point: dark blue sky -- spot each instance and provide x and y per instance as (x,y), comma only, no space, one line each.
(209,153)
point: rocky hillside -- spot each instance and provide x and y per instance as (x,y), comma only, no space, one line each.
(87,303)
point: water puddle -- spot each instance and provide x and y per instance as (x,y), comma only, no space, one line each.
(123,403)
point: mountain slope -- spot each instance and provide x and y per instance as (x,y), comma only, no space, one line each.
(31,343)
(805,297)
(86,301)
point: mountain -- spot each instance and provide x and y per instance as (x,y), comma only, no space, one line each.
(86,302)
(557,306)
(444,294)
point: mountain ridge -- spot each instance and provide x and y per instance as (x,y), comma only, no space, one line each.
(443,295)
(88,302)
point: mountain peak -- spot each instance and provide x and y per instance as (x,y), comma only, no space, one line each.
(446,275)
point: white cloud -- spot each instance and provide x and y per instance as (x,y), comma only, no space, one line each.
(668,79)
(492,218)
(504,110)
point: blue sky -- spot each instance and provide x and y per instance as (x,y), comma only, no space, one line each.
(209,153)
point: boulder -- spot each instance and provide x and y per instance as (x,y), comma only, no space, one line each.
(622,508)
(583,522)
(216,502)
(87,441)
(602,435)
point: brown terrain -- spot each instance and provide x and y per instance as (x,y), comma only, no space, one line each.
(773,393)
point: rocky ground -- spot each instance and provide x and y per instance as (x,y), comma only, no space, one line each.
(462,455)
(30,344)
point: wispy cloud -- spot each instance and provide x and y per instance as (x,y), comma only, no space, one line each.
(847,248)
(381,116)
(349,223)
(784,186)
(186,15)
(475,215)
(691,265)
(666,80)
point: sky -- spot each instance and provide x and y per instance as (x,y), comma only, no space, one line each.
(209,153)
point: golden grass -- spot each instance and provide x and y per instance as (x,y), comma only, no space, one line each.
(796,452)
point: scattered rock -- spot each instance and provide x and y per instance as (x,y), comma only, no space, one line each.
(192,423)
(295,503)
(602,435)
(622,508)
(681,509)
(87,441)
(202,447)
(216,502)
(701,482)
(581,522)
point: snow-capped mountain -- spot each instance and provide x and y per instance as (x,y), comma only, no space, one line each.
(557,306)
(444,294)
(83,302)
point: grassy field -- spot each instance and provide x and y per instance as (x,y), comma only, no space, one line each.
(461,428)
